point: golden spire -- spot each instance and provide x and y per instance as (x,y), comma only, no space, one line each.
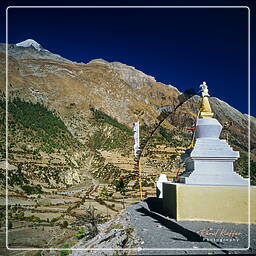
(205,108)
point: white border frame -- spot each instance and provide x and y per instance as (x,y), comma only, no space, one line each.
(139,248)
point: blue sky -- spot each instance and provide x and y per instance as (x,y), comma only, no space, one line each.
(181,47)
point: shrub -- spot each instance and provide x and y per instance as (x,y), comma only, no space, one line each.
(65,252)
(32,190)
(64,224)
(121,185)
(81,233)
(55,219)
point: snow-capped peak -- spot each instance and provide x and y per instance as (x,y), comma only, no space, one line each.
(30,42)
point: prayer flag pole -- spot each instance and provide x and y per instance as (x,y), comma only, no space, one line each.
(136,129)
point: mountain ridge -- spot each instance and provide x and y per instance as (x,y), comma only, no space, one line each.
(106,76)
(30,52)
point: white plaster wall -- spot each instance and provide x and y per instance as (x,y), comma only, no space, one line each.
(208,127)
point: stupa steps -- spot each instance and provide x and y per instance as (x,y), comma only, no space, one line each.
(207,155)
(206,178)
(216,172)
(207,144)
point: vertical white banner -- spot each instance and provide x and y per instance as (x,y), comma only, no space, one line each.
(136,130)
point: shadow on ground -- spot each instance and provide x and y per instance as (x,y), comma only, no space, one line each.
(154,209)
(174,227)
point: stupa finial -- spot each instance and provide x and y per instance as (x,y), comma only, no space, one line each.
(204,89)
(205,108)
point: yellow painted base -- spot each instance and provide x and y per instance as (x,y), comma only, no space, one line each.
(210,203)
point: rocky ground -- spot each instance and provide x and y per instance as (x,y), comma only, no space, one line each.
(165,236)
(53,219)
(144,229)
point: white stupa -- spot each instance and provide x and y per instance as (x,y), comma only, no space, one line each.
(211,160)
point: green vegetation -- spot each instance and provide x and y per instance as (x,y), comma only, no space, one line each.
(17,177)
(34,133)
(172,137)
(33,124)
(253,172)
(115,139)
(2,213)
(242,164)
(32,189)
(235,142)
(2,177)
(64,224)
(242,167)
(53,220)
(121,185)
(33,219)
(144,128)
(81,233)
(106,172)
(65,252)
(35,116)
(109,133)
(20,215)
(167,135)
(104,118)
(21,176)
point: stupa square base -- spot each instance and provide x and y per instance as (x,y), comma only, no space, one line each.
(218,203)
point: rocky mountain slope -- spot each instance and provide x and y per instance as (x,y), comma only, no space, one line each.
(30,49)
(73,92)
